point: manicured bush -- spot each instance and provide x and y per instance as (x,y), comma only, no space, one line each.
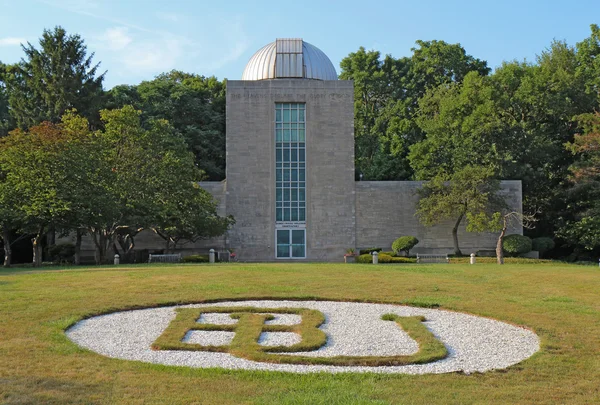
(514,245)
(364,258)
(62,252)
(195,259)
(404,244)
(383,258)
(388,253)
(370,250)
(542,244)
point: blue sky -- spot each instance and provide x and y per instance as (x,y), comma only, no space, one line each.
(135,40)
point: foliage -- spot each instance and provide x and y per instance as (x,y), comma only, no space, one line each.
(516,244)
(542,244)
(581,226)
(61,252)
(364,258)
(6,121)
(195,259)
(468,190)
(386,94)
(404,244)
(370,250)
(194,105)
(53,79)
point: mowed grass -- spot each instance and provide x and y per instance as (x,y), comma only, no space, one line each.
(38,364)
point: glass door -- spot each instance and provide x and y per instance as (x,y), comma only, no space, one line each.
(291,243)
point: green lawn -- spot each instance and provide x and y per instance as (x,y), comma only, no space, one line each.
(38,364)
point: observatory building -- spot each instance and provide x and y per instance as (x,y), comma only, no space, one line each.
(290,177)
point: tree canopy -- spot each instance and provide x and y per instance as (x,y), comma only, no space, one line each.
(48,81)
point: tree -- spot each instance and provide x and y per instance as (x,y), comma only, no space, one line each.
(53,79)
(498,221)
(149,181)
(35,173)
(465,193)
(6,123)
(194,106)
(386,99)
(189,215)
(583,226)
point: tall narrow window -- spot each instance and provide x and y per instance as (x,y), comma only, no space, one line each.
(290,158)
(290,179)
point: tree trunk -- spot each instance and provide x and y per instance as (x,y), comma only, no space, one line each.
(37,247)
(499,250)
(455,235)
(78,246)
(102,242)
(7,247)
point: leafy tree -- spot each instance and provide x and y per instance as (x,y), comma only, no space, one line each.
(498,221)
(467,192)
(53,79)
(33,169)
(583,226)
(195,107)
(150,182)
(188,216)
(386,94)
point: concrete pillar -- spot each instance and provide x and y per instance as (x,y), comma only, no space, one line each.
(375,257)
(472,258)
(117,259)
(211,256)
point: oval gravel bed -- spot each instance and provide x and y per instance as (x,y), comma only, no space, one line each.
(475,344)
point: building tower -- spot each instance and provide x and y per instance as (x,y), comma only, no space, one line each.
(290,156)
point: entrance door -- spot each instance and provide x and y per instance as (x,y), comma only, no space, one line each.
(291,243)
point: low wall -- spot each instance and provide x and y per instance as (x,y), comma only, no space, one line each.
(385,210)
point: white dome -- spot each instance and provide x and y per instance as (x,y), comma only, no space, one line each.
(289,58)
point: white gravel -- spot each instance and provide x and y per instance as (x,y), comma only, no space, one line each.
(279,339)
(475,344)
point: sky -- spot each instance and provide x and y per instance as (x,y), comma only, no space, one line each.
(136,40)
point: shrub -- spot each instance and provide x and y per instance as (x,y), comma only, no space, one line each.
(383,258)
(542,244)
(370,250)
(364,258)
(514,245)
(388,253)
(62,252)
(195,259)
(404,244)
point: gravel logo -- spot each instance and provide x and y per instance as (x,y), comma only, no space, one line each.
(308,336)
(251,324)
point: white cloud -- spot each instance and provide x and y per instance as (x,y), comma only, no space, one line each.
(116,38)
(12,41)
(154,56)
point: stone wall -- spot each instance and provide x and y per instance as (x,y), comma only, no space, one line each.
(386,211)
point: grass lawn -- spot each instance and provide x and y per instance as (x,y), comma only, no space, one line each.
(38,364)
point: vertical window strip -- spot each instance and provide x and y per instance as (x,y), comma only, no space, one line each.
(290,138)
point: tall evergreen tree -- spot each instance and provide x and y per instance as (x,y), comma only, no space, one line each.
(53,79)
